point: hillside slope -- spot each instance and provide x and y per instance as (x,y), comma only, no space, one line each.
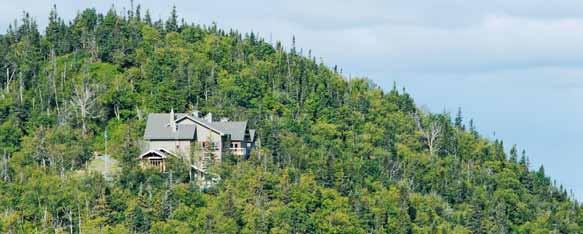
(337,155)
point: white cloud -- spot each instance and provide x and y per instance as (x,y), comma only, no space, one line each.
(498,42)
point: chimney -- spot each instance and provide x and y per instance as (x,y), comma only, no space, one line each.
(172,120)
(196,113)
(224,119)
(209,117)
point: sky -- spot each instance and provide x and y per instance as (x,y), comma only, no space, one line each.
(515,67)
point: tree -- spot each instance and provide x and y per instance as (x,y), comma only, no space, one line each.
(10,134)
(335,154)
(172,22)
(459,119)
(430,133)
(84,101)
(513,154)
(148,18)
(140,222)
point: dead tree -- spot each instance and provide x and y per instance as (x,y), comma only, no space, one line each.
(84,103)
(138,113)
(41,153)
(9,78)
(5,174)
(21,88)
(430,133)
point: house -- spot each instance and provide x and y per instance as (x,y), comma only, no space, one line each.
(198,140)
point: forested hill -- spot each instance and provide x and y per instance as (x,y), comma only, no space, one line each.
(337,155)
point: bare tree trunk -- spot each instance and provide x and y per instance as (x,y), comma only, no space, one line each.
(206,87)
(84,100)
(70,222)
(21,88)
(430,134)
(138,113)
(41,100)
(9,78)
(45,217)
(5,167)
(79,216)
(116,111)
(64,76)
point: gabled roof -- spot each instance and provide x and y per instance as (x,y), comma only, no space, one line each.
(181,116)
(157,153)
(159,128)
(235,129)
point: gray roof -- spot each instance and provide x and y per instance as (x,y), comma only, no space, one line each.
(235,129)
(180,116)
(158,128)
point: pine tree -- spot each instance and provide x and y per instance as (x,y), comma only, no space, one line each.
(459,119)
(524,160)
(513,154)
(172,22)
(147,18)
(473,130)
(140,222)
(138,14)
(357,161)
(541,171)
(53,32)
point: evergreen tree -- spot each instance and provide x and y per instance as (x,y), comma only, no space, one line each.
(336,155)
(172,22)
(513,154)
(459,119)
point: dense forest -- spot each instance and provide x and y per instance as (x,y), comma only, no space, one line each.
(337,155)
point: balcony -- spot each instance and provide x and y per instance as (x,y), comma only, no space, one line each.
(239,151)
(209,146)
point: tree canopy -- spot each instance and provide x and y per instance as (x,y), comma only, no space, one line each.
(337,155)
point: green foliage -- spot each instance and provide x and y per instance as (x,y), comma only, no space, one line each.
(336,155)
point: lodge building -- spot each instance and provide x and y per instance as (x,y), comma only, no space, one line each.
(198,139)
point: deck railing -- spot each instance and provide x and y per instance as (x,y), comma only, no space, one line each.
(239,151)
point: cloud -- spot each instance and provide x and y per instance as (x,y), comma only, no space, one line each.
(497,42)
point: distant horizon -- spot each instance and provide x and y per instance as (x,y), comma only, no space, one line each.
(512,68)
